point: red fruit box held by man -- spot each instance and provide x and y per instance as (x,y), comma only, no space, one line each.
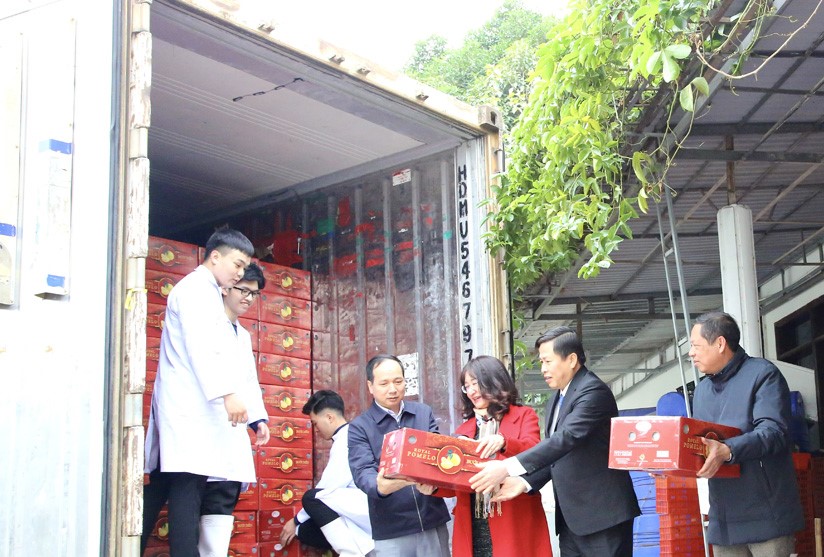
(669,445)
(430,458)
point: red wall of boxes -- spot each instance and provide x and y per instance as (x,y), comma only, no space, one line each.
(281,331)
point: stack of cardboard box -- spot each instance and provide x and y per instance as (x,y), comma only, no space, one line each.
(280,325)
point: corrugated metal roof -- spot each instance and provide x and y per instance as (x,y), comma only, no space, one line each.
(776,121)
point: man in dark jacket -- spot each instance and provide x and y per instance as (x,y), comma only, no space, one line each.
(594,505)
(758,512)
(405,522)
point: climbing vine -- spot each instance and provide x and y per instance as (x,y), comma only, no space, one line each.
(565,188)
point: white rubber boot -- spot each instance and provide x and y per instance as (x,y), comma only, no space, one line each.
(341,539)
(215,533)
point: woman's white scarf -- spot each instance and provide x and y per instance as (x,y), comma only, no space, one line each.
(487,427)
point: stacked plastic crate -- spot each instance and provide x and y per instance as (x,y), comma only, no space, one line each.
(805,539)
(676,500)
(645,537)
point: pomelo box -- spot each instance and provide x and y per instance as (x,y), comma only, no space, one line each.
(430,458)
(287,281)
(668,445)
(274,369)
(284,401)
(248,500)
(244,528)
(271,522)
(155,316)
(289,432)
(285,310)
(287,341)
(159,285)
(168,255)
(292,462)
(273,493)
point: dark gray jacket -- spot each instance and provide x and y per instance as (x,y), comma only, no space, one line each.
(752,395)
(406,511)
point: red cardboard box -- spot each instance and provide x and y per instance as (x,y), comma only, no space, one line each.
(159,284)
(243,549)
(158,551)
(270,523)
(285,310)
(665,444)
(152,353)
(244,529)
(284,401)
(290,432)
(274,493)
(288,281)
(429,458)
(272,462)
(168,255)
(155,314)
(248,499)
(274,369)
(287,341)
(294,549)
(253,328)
(160,532)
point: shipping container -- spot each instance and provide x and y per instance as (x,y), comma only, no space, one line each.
(168,118)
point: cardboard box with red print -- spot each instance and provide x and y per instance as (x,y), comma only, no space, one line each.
(665,444)
(286,341)
(285,310)
(292,462)
(155,315)
(294,549)
(284,401)
(287,281)
(429,458)
(160,531)
(275,369)
(243,549)
(253,328)
(248,500)
(276,492)
(168,255)
(290,432)
(244,529)
(159,285)
(270,523)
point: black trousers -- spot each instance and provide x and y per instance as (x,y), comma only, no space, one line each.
(615,541)
(189,496)
(320,515)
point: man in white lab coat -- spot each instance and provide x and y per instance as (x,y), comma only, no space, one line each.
(197,402)
(335,515)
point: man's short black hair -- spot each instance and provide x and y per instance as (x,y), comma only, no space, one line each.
(225,238)
(566,342)
(376,361)
(324,400)
(719,324)
(254,273)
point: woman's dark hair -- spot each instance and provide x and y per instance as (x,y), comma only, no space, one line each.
(495,384)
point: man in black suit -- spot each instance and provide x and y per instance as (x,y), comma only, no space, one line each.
(594,505)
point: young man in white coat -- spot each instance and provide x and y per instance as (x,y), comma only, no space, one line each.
(220,497)
(197,403)
(335,515)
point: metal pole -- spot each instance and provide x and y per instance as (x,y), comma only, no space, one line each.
(672,313)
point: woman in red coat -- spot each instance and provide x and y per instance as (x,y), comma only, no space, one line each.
(494,416)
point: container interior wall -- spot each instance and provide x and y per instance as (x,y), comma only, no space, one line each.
(382,259)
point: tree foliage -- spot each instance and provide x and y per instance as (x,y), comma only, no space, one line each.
(492,66)
(564,189)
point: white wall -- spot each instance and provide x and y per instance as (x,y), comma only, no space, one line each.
(52,350)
